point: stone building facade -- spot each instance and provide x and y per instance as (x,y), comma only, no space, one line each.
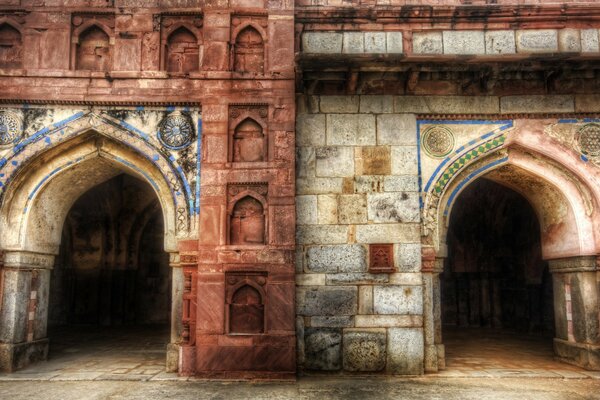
(301,162)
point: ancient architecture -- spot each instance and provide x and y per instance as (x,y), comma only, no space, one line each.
(300,186)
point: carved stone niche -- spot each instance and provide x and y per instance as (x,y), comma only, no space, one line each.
(381,259)
(92,42)
(248,133)
(245,297)
(11,46)
(247,214)
(249,43)
(181,41)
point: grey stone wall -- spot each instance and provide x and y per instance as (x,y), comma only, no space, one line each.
(357,185)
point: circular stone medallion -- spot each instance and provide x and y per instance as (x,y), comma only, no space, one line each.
(175,131)
(588,139)
(438,141)
(11,128)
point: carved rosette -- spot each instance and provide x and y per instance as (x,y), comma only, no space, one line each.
(588,139)
(176,131)
(438,141)
(11,128)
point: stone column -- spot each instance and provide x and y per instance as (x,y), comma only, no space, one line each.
(575,282)
(24,309)
(176,311)
(432,324)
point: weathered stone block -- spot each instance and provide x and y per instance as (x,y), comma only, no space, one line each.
(351,129)
(541,103)
(364,351)
(394,42)
(341,321)
(310,279)
(322,42)
(398,300)
(375,42)
(353,43)
(352,209)
(405,351)
(334,161)
(397,129)
(365,299)
(368,183)
(500,42)
(408,257)
(305,162)
(310,130)
(393,207)
(388,233)
(388,321)
(327,212)
(428,43)
(322,349)
(406,183)
(404,160)
(321,234)
(590,41)
(340,104)
(376,104)
(537,41)
(334,259)
(356,278)
(569,40)
(373,160)
(318,185)
(327,300)
(447,104)
(306,210)
(464,42)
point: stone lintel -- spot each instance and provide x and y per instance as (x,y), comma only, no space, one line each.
(574,264)
(19,259)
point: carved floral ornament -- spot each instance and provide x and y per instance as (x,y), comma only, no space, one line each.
(588,139)
(438,141)
(176,131)
(11,127)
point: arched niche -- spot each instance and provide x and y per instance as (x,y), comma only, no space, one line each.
(247,221)
(93,50)
(246,309)
(249,51)
(249,142)
(182,53)
(11,47)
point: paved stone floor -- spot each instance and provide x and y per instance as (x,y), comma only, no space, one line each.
(492,353)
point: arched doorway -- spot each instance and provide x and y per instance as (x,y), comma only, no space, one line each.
(90,208)
(497,301)
(110,287)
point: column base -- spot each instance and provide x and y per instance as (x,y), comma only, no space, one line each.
(583,355)
(18,356)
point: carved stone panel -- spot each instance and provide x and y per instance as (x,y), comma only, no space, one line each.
(248,38)
(93,40)
(381,258)
(181,38)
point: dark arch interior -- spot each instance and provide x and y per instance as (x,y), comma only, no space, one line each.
(495,284)
(111,282)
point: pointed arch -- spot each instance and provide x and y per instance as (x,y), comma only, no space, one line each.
(11,45)
(182,51)
(249,51)
(248,142)
(247,220)
(93,48)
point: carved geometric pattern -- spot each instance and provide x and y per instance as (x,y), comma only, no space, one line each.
(11,128)
(381,258)
(588,139)
(466,159)
(176,131)
(438,141)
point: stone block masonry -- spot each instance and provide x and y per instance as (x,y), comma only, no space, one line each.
(357,185)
